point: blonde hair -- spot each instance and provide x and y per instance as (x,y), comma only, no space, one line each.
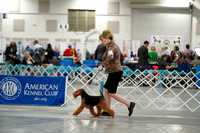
(100,37)
(153,48)
(107,34)
(26,53)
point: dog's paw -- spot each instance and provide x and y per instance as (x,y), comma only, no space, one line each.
(75,113)
(97,115)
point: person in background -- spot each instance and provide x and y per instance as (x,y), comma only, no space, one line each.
(183,65)
(99,52)
(39,53)
(143,63)
(112,60)
(132,55)
(162,64)
(57,51)
(11,54)
(11,51)
(29,50)
(88,55)
(36,45)
(153,54)
(196,61)
(143,54)
(49,53)
(79,57)
(166,50)
(70,51)
(169,60)
(79,53)
(125,56)
(135,58)
(28,60)
(178,54)
(188,53)
(173,54)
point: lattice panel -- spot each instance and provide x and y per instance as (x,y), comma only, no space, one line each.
(150,89)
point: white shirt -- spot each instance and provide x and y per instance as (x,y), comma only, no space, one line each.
(166,52)
(36,46)
(79,53)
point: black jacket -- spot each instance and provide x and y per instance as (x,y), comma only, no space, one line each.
(143,55)
(99,52)
(9,51)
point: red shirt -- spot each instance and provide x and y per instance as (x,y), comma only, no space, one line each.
(69,52)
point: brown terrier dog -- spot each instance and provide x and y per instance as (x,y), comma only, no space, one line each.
(89,102)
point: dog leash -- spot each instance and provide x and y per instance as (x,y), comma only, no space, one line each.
(95,75)
(90,81)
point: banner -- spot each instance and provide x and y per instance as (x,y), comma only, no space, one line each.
(159,41)
(32,90)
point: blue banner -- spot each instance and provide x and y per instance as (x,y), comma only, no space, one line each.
(32,90)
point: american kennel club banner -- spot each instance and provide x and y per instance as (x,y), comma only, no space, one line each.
(32,90)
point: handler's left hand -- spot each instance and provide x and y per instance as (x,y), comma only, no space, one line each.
(100,68)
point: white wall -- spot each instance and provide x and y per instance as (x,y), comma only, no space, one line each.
(147,22)
(195,38)
(195,20)
(132,25)
(35,23)
(156,14)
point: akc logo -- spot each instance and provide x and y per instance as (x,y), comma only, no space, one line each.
(10,88)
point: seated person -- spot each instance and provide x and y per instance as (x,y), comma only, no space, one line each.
(162,64)
(183,65)
(196,62)
(70,51)
(31,52)
(11,54)
(28,60)
(169,59)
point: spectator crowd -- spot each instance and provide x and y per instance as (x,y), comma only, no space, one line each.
(168,60)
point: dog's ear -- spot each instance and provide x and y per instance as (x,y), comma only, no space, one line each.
(82,89)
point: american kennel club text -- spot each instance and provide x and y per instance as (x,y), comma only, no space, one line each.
(41,89)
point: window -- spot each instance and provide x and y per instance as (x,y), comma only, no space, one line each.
(81,20)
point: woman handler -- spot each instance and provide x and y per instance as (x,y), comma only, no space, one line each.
(112,60)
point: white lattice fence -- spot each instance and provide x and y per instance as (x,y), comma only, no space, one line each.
(162,90)
(150,89)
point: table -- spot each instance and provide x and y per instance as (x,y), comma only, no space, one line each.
(132,64)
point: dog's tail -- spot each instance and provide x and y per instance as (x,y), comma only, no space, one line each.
(101,93)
